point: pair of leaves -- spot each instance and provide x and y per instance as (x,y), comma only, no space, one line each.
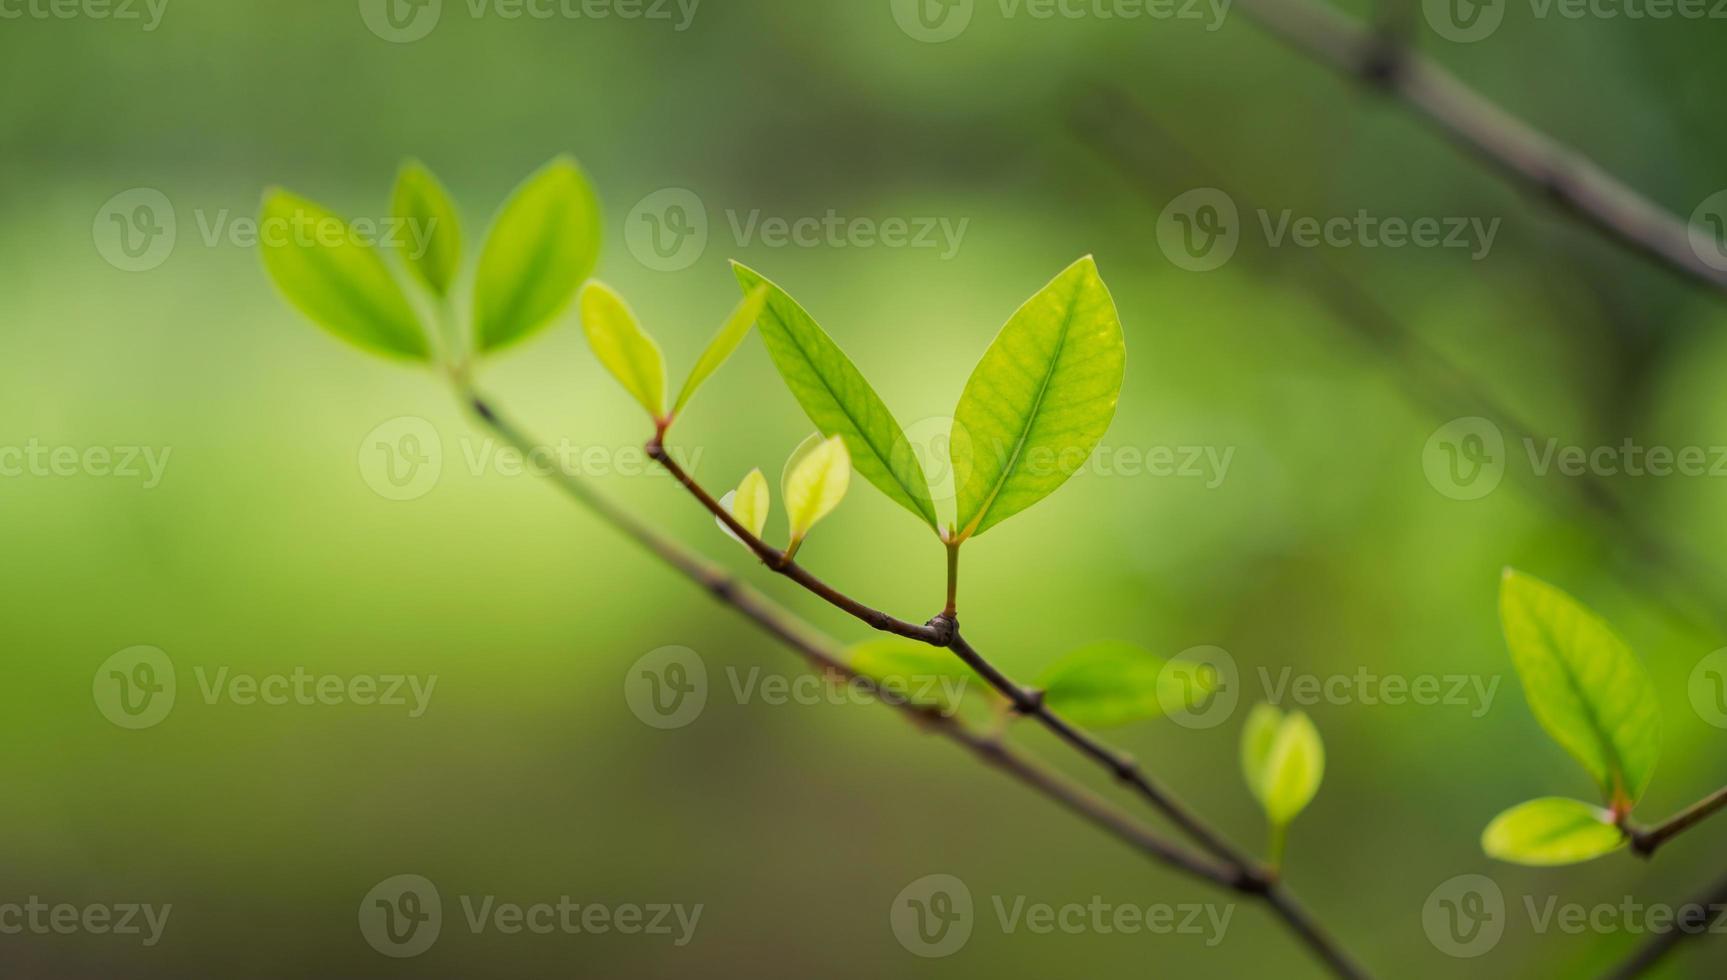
(1111,683)
(1594,698)
(541,246)
(813,483)
(1034,409)
(1283,761)
(634,358)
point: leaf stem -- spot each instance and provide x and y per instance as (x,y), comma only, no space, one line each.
(950,610)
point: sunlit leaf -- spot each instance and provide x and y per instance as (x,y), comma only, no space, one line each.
(736,328)
(1586,688)
(815,482)
(623,347)
(337,281)
(838,400)
(921,673)
(1040,399)
(432,239)
(1551,831)
(1283,760)
(750,502)
(542,245)
(1112,683)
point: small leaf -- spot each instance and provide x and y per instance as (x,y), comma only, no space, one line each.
(1040,399)
(736,328)
(624,347)
(339,283)
(432,246)
(1586,688)
(1111,683)
(750,502)
(1257,739)
(542,245)
(922,673)
(815,482)
(1283,759)
(838,400)
(1551,831)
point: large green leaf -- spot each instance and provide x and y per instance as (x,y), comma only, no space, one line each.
(623,347)
(837,398)
(542,245)
(1112,683)
(1040,399)
(337,281)
(1550,831)
(432,241)
(1584,685)
(732,333)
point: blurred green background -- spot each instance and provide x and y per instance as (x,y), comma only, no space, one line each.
(1323,549)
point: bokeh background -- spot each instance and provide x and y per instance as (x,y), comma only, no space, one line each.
(1324,549)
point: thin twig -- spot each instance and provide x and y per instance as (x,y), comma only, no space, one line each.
(1473,121)
(943,631)
(1645,841)
(1694,919)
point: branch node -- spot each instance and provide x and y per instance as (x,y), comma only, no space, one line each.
(1030,701)
(946,627)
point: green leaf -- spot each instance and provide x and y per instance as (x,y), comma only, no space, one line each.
(1040,400)
(1283,759)
(1111,683)
(1586,688)
(922,673)
(838,399)
(433,245)
(814,483)
(624,347)
(1551,831)
(750,502)
(736,328)
(339,283)
(542,245)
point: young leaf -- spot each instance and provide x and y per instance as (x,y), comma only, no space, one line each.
(542,245)
(1111,683)
(624,348)
(736,328)
(1586,688)
(750,502)
(433,249)
(1039,400)
(838,399)
(1551,831)
(922,673)
(1284,762)
(339,283)
(815,482)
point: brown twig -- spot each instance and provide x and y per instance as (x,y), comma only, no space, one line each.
(1478,124)
(1695,918)
(1645,841)
(943,631)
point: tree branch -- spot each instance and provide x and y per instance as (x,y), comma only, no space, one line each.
(1694,919)
(1479,125)
(943,631)
(1645,841)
